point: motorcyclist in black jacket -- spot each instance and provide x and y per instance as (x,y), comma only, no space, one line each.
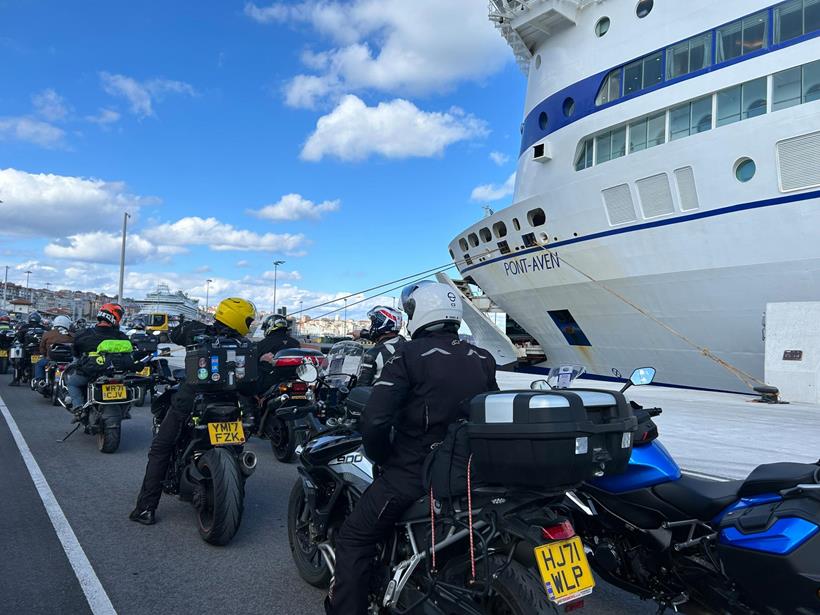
(34,321)
(423,389)
(232,318)
(385,324)
(276,329)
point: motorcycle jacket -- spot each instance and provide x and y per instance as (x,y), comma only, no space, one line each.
(89,339)
(276,341)
(54,337)
(23,330)
(423,389)
(375,358)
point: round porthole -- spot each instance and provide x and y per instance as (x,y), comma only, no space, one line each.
(745,169)
(644,8)
(543,120)
(569,107)
(538,61)
(602,27)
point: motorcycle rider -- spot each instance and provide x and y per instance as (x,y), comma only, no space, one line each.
(33,321)
(385,324)
(276,329)
(419,395)
(232,318)
(86,341)
(58,334)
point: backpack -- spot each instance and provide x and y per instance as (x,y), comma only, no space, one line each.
(445,467)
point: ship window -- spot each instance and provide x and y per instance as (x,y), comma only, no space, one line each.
(632,77)
(610,89)
(788,21)
(536,217)
(787,88)
(500,229)
(569,107)
(689,56)
(690,118)
(583,157)
(811,16)
(754,98)
(503,247)
(637,135)
(602,27)
(452,256)
(728,106)
(745,169)
(644,8)
(462,243)
(485,235)
(679,122)
(569,328)
(618,144)
(516,224)
(543,121)
(743,36)
(811,82)
(529,240)
(467,259)
(473,239)
(538,61)
(603,147)
(653,69)
(656,130)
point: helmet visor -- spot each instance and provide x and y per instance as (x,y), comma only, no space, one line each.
(408,304)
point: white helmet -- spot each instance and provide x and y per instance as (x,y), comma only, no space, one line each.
(429,303)
(62,322)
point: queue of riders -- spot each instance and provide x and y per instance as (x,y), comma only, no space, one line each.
(405,374)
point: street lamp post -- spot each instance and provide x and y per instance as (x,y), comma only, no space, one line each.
(207,294)
(275,271)
(5,286)
(345,315)
(31,302)
(122,256)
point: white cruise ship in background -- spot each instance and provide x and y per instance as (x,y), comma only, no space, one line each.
(670,165)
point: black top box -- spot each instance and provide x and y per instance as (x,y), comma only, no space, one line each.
(549,440)
(220,364)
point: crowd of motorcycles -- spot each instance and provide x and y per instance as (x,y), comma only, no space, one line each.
(599,491)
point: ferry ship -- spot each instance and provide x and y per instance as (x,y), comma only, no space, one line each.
(163,301)
(667,183)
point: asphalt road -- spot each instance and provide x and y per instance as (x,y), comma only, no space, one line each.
(165,568)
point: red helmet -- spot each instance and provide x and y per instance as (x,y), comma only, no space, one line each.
(111,313)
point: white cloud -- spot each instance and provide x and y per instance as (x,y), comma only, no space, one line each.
(390,46)
(280,275)
(242,264)
(493,192)
(30,130)
(101,247)
(50,105)
(395,129)
(58,205)
(141,95)
(499,158)
(294,207)
(104,117)
(220,236)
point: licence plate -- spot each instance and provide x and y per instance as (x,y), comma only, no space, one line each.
(114,392)
(564,570)
(226,433)
(36,357)
(145,371)
(4,353)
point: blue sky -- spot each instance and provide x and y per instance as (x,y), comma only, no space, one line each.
(346,138)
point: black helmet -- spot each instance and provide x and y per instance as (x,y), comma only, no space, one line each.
(35,319)
(274,322)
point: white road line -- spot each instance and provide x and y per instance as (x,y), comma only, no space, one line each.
(97,599)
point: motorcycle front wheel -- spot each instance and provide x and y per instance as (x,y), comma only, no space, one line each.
(309,562)
(281,440)
(220,497)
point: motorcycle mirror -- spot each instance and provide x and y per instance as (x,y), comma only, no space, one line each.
(540,385)
(307,372)
(640,377)
(155,333)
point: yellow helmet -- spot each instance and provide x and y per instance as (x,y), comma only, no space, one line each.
(236,313)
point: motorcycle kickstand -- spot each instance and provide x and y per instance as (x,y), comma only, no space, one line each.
(69,434)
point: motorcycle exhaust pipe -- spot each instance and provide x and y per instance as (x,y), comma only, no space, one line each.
(329,555)
(247,462)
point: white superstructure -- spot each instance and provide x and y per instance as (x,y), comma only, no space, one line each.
(163,301)
(668,182)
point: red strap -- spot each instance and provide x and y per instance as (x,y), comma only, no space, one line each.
(432,530)
(470,516)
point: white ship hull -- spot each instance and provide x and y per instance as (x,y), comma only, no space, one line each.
(659,288)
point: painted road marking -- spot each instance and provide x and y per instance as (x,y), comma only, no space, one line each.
(95,595)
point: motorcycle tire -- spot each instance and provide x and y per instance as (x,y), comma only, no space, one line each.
(139,402)
(4,366)
(54,399)
(282,440)
(309,562)
(516,590)
(108,439)
(223,499)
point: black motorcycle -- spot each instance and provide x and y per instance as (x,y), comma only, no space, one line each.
(209,465)
(23,355)
(59,358)
(506,545)
(6,341)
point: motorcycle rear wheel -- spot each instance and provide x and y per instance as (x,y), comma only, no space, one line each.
(309,562)
(281,440)
(4,366)
(517,591)
(221,498)
(108,439)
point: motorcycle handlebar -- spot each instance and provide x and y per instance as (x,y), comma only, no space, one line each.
(294,413)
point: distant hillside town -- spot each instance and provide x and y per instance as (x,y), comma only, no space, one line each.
(75,304)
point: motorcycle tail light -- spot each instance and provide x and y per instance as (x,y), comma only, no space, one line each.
(561,531)
(288,362)
(574,606)
(283,388)
(299,387)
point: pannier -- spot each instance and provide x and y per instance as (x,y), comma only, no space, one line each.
(549,439)
(60,353)
(220,364)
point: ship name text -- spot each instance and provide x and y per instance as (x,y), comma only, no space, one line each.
(530,264)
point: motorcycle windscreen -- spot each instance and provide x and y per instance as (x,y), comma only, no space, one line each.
(344,359)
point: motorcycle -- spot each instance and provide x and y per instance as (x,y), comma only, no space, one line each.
(692,545)
(284,437)
(60,357)
(23,355)
(209,465)
(6,341)
(506,546)
(145,345)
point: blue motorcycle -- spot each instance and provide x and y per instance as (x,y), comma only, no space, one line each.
(699,546)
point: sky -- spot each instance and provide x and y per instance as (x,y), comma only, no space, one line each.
(351,139)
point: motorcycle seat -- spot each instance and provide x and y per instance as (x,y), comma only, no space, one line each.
(697,497)
(774,477)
